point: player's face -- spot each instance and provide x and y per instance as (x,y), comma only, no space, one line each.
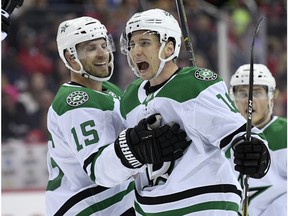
(94,56)
(144,48)
(260,103)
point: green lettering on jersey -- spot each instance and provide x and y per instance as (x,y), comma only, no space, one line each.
(256,191)
(87,131)
(50,139)
(56,182)
(228,102)
(253,191)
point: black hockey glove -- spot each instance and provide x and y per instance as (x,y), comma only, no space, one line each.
(10,5)
(251,157)
(144,145)
(7,7)
(5,21)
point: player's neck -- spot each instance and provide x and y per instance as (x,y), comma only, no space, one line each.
(89,83)
(265,122)
(168,71)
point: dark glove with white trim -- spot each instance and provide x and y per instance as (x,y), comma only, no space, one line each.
(5,21)
(143,145)
(10,5)
(7,7)
(252,157)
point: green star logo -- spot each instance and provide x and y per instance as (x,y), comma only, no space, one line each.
(205,74)
(77,98)
(64,27)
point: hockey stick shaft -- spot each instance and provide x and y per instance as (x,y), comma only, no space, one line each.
(249,116)
(140,5)
(185,32)
(250,94)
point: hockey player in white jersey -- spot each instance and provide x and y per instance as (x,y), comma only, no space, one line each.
(267,196)
(202,182)
(84,119)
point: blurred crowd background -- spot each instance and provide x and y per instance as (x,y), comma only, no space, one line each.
(32,71)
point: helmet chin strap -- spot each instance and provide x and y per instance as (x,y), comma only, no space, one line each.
(162,61)
(161,66)
(89,76)
(263,123)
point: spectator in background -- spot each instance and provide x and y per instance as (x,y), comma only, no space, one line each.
(31,58)
(39,132)
(15,119)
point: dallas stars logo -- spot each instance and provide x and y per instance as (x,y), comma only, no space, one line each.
(77,98)
(205,74)
(63,28)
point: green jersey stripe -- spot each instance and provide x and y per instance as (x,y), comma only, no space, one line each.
(213,205)
(107,202)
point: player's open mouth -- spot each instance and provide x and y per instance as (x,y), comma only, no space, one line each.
(142,66)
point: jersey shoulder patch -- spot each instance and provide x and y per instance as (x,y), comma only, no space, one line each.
(189,83)
(205,74)
(73,97)
(77,98)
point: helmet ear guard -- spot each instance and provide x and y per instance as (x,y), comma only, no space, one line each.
(78,30)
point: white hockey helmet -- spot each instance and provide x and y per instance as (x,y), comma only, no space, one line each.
(154,20)
(78,30)
(262,76)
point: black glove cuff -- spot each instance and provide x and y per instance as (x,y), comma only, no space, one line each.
(10,5)
(124,152)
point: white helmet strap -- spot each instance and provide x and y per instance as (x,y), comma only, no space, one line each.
(86,74)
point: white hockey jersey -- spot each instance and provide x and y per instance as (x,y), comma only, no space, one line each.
(268,196)
(82,122)
(202,182)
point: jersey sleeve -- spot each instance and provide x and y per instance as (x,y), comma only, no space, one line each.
(81,130)
(214,117)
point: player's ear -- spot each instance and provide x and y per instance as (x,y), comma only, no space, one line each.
(68,57)
(169,48)
(71,60)
(276,93)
